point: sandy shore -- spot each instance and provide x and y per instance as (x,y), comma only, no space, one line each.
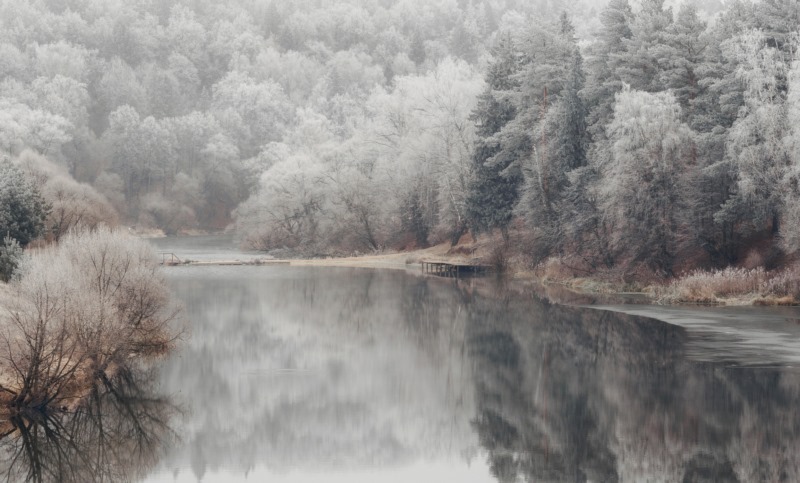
(401,260)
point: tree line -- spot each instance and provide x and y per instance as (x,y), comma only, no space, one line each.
(666,144)
(632,136)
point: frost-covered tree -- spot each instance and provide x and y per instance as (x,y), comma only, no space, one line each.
(142,152)
(602,80)
(72,204)
(639,63)
(681,56)
(790,186)
(494,191)
(778,19)
(118,86)
(756,149)
(287,210)
(23,210)
(645,179)
(252,113)
(89,306)
(23,127)
(422,136)
(547,191)
(11,256)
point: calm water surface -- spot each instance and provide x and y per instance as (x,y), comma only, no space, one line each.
(302,374)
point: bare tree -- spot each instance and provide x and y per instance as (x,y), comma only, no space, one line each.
(81,311)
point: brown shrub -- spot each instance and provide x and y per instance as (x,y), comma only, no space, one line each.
(747,285)
(73,204)
(499,259)
(81,310)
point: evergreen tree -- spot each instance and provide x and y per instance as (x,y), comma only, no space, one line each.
(23,211)
(779,20)
(494,190)
(603,81)
(639,64)
(681,54)
(570,139)
(561,147)
(489,19)
(11,256)
(551,121)
(545,199)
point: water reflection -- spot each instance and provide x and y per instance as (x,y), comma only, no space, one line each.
(321,370)
(297,372)
(117,435)
(580,395)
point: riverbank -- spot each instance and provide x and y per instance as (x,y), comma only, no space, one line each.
(740,328)
(732,287)
(728,287)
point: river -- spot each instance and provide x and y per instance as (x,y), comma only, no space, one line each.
(301,374)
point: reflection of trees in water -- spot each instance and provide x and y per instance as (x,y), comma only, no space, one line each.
(573,395)
(358,368)
(115,436)
(328,368)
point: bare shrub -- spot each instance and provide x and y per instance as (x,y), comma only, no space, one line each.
(556,269)
(73,204)
(753,259)
(171,216)
(112,187)
(82,310)
(499,258)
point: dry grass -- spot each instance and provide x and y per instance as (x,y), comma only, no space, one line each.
(577,275)
(734,286)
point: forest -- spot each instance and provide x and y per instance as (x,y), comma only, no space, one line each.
(636,140)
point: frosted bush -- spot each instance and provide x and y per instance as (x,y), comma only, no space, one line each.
(706,286)
(72,204)
(785,284)
(732,282)
(82,310)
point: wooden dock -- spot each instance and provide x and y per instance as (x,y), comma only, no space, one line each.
(454,269)
(169,258)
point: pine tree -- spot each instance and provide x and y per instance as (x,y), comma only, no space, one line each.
(489,19)
(494,190)
(638,65)
(23,210)
(779,20)
(681,55)
(570,140)
(11,256)
(603,81)
(545,199)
